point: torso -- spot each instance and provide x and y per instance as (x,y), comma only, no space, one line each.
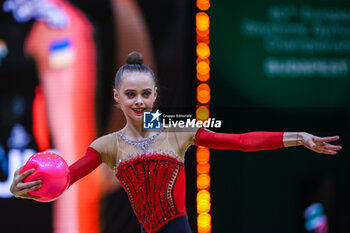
(151,172)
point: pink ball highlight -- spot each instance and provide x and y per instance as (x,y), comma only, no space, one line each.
(52,170)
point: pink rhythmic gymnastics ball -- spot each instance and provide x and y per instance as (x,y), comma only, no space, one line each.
(52,170)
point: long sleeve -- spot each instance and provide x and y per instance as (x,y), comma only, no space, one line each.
(89,162)
(253,141)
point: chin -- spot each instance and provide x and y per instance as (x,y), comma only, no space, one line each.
(136,117)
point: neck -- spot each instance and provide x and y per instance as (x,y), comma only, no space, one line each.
(134,130)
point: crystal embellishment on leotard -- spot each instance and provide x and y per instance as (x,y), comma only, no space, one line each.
(149,152)
(142,144)
(155,185)
(170,189)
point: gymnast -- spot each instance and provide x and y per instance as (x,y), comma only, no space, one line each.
(150,163)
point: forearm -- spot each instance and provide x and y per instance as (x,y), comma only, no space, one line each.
(252,141)
(293,138)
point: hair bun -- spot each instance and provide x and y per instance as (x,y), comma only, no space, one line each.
(134,58)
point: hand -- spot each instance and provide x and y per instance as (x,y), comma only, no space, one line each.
(21,189)
(319,144)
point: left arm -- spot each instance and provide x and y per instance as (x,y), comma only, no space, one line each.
(255,141)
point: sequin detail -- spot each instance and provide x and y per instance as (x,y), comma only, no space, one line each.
(170,189)
(128,191)
(149,180)
(149,152)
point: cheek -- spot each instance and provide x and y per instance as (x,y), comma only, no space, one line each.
(125,102)
(150,101)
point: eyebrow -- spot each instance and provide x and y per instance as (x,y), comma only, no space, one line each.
(147,89)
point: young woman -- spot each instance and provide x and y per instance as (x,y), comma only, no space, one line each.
(150,164)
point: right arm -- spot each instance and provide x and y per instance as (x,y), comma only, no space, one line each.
(89,162)
(100,150)
(82,167)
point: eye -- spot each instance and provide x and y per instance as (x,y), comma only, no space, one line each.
(130,94)
(147,93)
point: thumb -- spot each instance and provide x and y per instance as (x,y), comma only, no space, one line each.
(312,145)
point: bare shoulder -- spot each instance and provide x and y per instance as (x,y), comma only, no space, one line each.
(106,147)
(103,142)
(183,136)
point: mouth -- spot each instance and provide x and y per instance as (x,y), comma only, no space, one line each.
(139,110)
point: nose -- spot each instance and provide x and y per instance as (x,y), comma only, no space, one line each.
(139,101)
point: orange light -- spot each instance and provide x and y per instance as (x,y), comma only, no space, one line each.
(202,21)
(203,5)
(203,195)
(203,181)
(203,168)
(203,86)
(206,60)
(202,113)
(203,97)
(203,77)
(203,50)
(203,155)
(203,68)
(206,229)
(203,93)
(203,206)
(204,33)
(204,222)
(203,40)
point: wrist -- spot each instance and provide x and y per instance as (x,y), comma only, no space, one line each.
(293,138)
(300,138)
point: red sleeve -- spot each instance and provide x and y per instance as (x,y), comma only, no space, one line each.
(89,162)
(252,141)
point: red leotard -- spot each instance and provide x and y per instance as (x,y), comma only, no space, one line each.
(155,184)
(154,179)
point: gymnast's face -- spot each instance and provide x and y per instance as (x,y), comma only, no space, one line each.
(136,94)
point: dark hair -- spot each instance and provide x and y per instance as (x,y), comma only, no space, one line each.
(134,63)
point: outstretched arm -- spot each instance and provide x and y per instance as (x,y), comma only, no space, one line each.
(255,141)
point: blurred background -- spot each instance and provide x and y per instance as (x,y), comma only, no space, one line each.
(263,66)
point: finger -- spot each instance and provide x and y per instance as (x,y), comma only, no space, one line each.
(25,191)
(329,139)
(34,187)
(28,196)
(330,152)
(313,146)
(18,170)
(331,147)
(28,185)
(25,174)
(34,197)
(325,151)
